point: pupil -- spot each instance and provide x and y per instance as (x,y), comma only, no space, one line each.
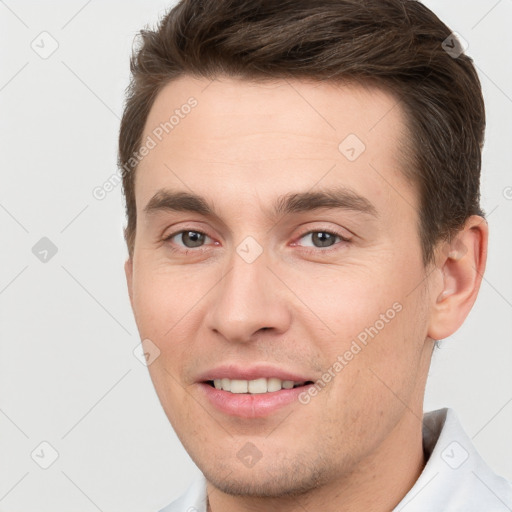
(192,238)
(324,239)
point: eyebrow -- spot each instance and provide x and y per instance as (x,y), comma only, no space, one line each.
(338,198)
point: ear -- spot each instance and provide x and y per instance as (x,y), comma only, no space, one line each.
(128,270)
(462,264)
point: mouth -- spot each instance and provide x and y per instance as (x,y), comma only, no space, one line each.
(252,390)
(255,387)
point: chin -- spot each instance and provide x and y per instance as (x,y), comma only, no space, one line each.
(268,481)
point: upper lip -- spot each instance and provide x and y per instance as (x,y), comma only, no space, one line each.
(250,372)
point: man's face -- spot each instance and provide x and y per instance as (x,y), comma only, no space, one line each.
(269,285)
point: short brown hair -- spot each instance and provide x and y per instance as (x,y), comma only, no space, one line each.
(398,44)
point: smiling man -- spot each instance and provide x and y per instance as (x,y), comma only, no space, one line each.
(302,192)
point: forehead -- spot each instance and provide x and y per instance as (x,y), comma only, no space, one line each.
(269,138)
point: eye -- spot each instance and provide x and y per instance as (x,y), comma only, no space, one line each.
(188,239)
(322,239)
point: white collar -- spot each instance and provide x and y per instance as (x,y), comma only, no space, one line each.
(455,478)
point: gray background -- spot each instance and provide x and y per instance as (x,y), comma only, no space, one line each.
(68,374)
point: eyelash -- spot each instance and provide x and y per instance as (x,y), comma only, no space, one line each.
(308,250)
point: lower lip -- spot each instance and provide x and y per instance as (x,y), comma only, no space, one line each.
(246,405)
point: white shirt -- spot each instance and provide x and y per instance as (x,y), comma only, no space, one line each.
(455,478)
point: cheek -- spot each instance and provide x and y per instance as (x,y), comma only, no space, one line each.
(347,298)
(157,310)
(386,371)
(372,331)
(164,298)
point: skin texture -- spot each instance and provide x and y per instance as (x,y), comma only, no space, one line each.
(357,444)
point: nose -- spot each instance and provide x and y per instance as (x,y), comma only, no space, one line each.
(248,300)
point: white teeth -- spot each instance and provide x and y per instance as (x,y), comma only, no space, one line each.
(256,386)
(238,386)
(273,384)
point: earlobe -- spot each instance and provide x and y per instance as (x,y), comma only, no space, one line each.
(462,264)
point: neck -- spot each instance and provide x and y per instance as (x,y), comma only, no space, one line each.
(377,484)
